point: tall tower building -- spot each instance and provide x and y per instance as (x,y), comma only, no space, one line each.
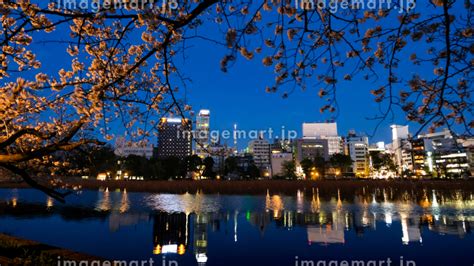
(327,131)
(357,148)
(174,138)
(202,133)
(401,147)
(260,149)
(235,139)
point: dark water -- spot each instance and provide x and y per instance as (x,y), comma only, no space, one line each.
(424,227)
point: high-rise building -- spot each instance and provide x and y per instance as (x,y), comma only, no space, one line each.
(439,154)
(327,131)
(260,150)
(401,147)
(451,156)
(419,157)
(425,147)
(311,148)
(315,130)
(202,133)
(468,145)
(174,138)
(455,164)
(430,137)
(357,148)
(234,136)
(399,132)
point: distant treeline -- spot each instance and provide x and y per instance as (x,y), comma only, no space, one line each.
(94,160)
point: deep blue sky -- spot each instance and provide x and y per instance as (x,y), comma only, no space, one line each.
(239,96)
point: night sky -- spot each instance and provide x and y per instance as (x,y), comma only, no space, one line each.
(239,96)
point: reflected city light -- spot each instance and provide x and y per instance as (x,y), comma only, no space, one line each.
(186,203)
(157,250)
(173,248)
(181,249)
(374,201)
(299,201)
(315,202)
(14,202)
(435,200)
(201,258)
(187,224)
(388,218)
(124,204)
(339,201)
(103,203)
(275,204)
(49,202)
(236,213)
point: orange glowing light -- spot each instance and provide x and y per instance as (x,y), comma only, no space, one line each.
(181,249)
(157,250)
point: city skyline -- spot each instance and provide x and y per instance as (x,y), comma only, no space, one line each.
(383,133)
(216,132)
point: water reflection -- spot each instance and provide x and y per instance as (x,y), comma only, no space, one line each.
(328,233)
(118,220)
(274,203)
(103,203)
(117,202)
(326,222)
(182,225)
(124,203)
(14,201)
(201,222)
(172,230)
(186,203)
(170,233)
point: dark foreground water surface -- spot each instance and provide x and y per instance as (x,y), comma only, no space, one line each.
(407,227)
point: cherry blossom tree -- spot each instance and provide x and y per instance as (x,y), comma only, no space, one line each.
(123,64)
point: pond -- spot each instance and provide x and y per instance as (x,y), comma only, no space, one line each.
(384,225)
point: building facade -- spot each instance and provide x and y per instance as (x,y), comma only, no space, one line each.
(452,157)
(452,165)
(174,138)
(419,157)
(441,155)
(202,133)
(278,158)
(311,148)
(260,150)
(327,131)
(401,148)
(357,148)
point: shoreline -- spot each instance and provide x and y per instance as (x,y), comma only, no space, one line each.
(261,187)
(19,251)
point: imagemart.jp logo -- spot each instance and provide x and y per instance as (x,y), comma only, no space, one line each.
(335,5)
(101,5)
